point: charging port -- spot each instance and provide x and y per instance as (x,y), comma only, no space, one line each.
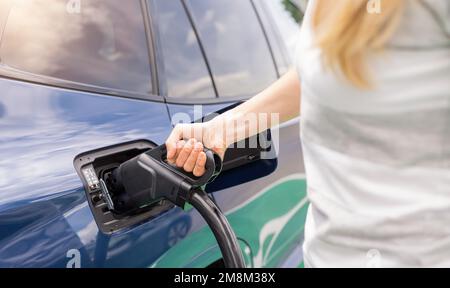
(95,169)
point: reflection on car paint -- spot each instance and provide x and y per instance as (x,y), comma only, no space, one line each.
(40,134)
(92,49)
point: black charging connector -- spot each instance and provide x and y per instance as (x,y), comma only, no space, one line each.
(148,178)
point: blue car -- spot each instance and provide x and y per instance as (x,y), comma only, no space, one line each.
(82,76)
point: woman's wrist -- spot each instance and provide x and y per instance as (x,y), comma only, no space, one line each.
(222,126)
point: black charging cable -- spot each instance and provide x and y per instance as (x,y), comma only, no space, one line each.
(224,234)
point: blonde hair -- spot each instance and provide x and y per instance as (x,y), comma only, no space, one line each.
(346,32)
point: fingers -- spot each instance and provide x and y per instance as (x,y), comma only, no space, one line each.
(172,144)
(179,132)
(190,156)
(171,151)
(176,149)
(184,152)
(192,159)
(199,168)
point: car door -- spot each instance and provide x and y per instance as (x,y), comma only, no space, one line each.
(213,55)
(73,78)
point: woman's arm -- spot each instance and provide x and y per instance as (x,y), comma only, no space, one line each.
(281,98)
(185,143)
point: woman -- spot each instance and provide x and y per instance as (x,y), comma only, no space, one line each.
(372,85)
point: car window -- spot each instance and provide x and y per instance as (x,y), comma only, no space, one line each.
(235,46)
(287,17)
(5,7)
(185,72)
(95,42)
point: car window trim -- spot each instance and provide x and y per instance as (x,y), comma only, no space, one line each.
(163,90)
(274,34)
(218,99)
(11,73)
(206,101)
(159,60)
(191,19)
(3,25)
(149,34)
(266,37)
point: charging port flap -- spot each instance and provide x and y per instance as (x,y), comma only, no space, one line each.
(95,168)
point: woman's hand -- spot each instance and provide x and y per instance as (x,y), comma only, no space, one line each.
(186,142)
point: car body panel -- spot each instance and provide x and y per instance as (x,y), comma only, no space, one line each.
(43,210)
(44,204)
(45,220)
(264,227)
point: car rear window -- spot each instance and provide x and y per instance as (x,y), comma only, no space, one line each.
(235,46)
(5,7)
(96,42)
(287,17)
(183,65)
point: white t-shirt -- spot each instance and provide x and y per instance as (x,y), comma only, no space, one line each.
(378,162)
